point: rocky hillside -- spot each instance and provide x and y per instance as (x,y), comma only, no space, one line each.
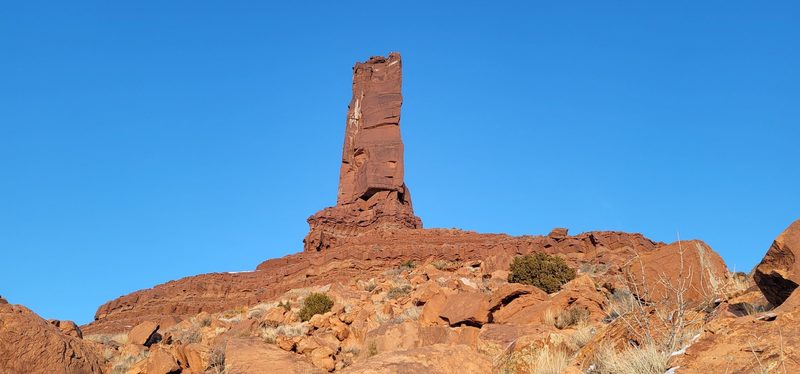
(374,292)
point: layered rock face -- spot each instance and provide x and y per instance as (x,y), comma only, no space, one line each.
(778,274)
(372,193)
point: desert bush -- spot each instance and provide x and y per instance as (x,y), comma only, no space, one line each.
(285,305)
(216,360)
(398,291)
(570,317)
(408,264)
(541,270)
(446,265)
(315,303)
(369,285)
(620,303)
(372,349)
(191,335)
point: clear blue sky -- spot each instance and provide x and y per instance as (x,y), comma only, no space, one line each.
(152,140)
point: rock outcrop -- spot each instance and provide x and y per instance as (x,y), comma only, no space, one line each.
(778,274)
(372,192)
(362,257)
(29,344)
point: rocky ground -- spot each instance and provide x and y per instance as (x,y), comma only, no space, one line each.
(454,315)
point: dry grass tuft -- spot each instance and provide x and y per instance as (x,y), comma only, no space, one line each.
(445,265)
(647,359)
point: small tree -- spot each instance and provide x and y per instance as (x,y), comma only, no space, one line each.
(315,303)
(541,270)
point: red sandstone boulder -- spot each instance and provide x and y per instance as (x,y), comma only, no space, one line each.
(159,361)
(466,308)
(778,274)
(143,333)
(247,356)
(559,233)
(68,328)
(689,267)
(31,345)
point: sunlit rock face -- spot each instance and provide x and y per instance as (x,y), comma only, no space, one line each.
(372,193)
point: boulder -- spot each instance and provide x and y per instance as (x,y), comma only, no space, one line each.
(750,344)
(159,361)
(689,267)
(466,308)
(322,358)
(250,355)
(559,233)
(31,345)
(778,273)
(196,357)
(67,327)
(143,333)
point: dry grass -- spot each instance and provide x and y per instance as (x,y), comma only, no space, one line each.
(647,359)
(113,339)
(571,317)
(581,336)
(566,317)
(216,360)
(550,361)
(369,285)
(533,360)
(620,303)
(445,265)
(398,291)
(124,362)
(269,334)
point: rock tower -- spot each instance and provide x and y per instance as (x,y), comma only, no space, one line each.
(372,193)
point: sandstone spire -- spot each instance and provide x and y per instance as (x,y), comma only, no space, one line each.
(372,193)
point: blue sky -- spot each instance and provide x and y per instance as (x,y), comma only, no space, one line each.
(149,141)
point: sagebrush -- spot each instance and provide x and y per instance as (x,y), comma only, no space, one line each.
(541,270)
(315,303)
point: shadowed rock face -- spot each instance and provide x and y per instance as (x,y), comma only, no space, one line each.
(372,193)
(779,271)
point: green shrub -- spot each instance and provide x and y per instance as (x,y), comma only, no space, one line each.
(541,270)
(315,303)
(409,264)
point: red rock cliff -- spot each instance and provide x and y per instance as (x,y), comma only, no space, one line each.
(372,193)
